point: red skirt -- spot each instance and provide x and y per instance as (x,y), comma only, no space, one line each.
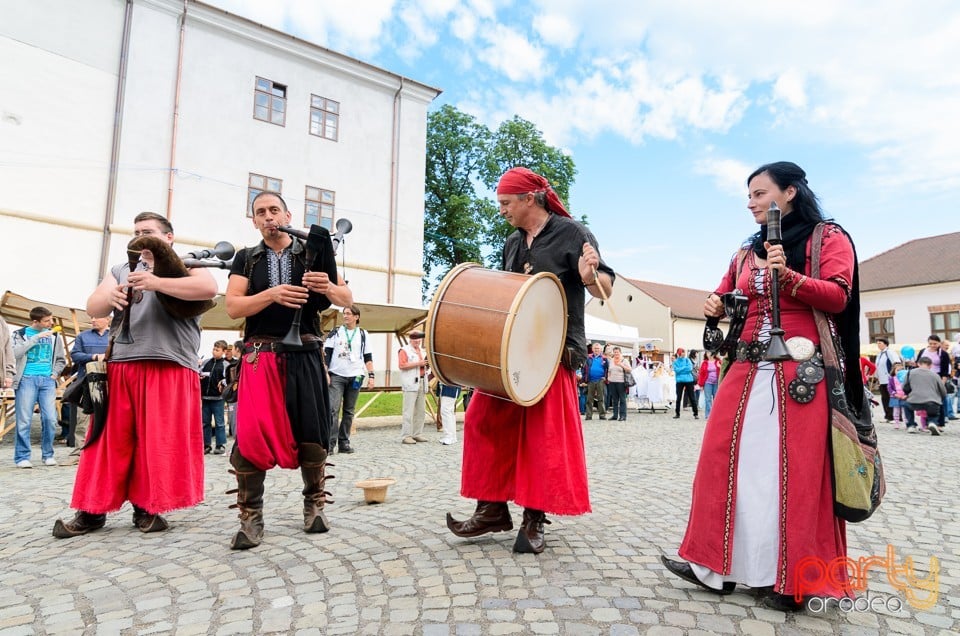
(532,455)
(151,450)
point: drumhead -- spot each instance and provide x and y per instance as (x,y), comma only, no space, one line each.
(534,338)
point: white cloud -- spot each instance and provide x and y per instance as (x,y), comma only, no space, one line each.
(556,30)
(878,73)
(789,88)
(437,9)
(729,175)
(422,34)
(627,98)
(337,25)
(464,25)
(486,9)
(512,54)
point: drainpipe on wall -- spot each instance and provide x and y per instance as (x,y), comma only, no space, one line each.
(115,145)
(176,113)
(394,186)
(392,236)
(673,332)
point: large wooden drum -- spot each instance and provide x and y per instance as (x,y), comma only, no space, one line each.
(500,332)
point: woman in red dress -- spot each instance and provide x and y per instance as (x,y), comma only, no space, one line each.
(762,495)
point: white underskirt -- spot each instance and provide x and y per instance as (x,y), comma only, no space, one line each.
(756,535)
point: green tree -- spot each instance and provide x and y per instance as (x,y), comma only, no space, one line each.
(518,142)
(455,218)
(463,156)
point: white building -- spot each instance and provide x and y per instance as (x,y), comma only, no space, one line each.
(912,291)
(670,317)
(110,108)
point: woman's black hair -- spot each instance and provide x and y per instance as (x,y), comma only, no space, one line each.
(786,174)
(804,214)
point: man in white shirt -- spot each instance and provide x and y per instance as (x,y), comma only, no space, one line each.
(885,361)
(348,361)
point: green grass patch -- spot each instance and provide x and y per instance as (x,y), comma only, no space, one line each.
(384,404)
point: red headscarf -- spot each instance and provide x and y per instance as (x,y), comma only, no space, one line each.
(524,180)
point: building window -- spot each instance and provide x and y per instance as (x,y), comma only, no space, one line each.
(256,184)
(881,328)
(324,117)
(270,102)
(318,208)
(945,324)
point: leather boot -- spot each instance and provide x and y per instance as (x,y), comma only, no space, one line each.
(490,516)
(249,501)
(82,523)
(530,538)
(147,522)
(313,463)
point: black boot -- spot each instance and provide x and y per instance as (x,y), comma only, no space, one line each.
(313,463)
(490,516)
(249,501)
(685,572)
(781,602)
(82,523)
(530,539)
(147,522)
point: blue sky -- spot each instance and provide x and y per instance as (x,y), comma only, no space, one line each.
(666,107)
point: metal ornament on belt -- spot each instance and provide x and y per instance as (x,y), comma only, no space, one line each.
(756,350)
(801,348)
(810,373)
(801,391)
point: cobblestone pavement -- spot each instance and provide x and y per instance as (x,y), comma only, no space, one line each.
(394,568)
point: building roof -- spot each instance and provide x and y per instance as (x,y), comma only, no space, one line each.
(683,302)
(924,261)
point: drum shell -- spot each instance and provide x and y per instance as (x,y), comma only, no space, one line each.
(471,323)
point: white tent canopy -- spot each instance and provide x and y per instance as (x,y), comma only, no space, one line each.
(613,333)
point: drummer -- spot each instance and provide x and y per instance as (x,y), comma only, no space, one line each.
(534,455)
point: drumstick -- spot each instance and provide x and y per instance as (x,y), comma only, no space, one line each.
(603,293)
(603,296)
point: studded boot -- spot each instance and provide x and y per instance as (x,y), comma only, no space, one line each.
(313,463)
(249,492)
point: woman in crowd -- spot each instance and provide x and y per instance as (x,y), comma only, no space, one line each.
(616,385)
(683,375)
(709,378)
(697,387)
(762,495)
(897,396)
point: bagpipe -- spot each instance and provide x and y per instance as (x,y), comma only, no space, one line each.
(91,394)
(316,242)
(167,264)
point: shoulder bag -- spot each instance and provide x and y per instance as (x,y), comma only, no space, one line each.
(858,482)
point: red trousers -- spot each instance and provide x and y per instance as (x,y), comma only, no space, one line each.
(151,449)
(531,455)
(264,435)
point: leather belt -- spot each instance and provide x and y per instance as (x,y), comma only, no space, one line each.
(801,349)
(751,351)
(275,346)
